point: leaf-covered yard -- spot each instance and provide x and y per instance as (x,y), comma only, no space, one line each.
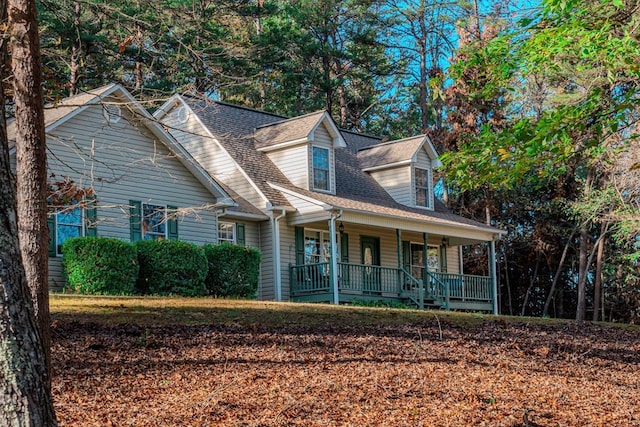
(202,362)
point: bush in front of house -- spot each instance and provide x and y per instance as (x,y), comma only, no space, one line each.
(100,265)
(171,267)
(233,270)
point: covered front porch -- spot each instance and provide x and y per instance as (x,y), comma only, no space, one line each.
(343,262)
(360,282)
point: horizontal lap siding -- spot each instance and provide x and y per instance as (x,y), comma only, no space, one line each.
(266,290)
(287,255)
(123,162)
(424,162)
(208,153)
(323,139)
(396,182)
(294,163)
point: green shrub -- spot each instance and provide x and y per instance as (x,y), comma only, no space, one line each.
(100,265)
(233,270)
(171,267)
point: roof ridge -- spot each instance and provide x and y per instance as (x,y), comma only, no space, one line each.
(395,141)
(290,119)
(198,97)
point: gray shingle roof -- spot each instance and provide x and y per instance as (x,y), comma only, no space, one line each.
(389,153)
(286,130)
(234,127)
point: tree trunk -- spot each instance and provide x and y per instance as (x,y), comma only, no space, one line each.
(552,291)
(532,281)
(582,272)
(76,52)
(598,281)
(25,398)
(31,158)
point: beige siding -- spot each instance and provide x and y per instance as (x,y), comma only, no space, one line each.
(287,256)
(266,290)
(211,156)
(294,164)
(397,182)
(453,259)
(322,138)
(121,162)
(424,162)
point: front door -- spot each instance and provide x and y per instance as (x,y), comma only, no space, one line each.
(370,257)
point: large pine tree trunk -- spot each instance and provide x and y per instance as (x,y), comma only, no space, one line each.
(25,398)
(31,157)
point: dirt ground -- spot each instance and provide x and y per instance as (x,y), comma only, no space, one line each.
(422,373)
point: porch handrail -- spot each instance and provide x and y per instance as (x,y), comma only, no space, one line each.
(310,277)
(417,285)
(439,291)
(443,289)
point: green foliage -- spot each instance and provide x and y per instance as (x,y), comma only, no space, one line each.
(100,265)
(233,270)
(171,267)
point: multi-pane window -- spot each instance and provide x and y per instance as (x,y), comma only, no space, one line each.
(226,232)
(320,168)
(154,222)
(69,224)
(317,247)
(417,257)
(421,179)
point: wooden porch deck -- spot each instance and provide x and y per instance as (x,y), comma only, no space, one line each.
(357,282)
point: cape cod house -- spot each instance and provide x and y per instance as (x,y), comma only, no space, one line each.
(346,216)
(338,216)
(143,184)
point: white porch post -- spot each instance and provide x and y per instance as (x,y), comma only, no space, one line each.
(334,256)
(492,273)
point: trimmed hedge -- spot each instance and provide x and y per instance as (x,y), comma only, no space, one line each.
(233,270)
(171,267)
(100,265)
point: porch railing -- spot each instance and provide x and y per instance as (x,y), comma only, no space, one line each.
(389,282)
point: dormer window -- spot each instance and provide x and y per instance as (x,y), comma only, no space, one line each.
(422,187)
(320,168)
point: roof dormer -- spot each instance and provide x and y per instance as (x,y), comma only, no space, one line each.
(404,168)
(303,148)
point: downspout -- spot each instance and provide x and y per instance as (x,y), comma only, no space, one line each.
(334,255)
(277,273)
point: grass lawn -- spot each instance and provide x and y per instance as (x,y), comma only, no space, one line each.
(206,362)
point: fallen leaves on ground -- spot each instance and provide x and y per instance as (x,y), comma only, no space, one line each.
(418,374)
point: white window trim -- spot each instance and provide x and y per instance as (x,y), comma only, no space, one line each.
(57,223)
(233,227)
(429,187)
(329,188)
(142,219)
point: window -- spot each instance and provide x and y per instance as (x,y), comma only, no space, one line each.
(416,259)
(154,222)
(226,232)
(69,224)
(421,179)
(317,247)
(320,168)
